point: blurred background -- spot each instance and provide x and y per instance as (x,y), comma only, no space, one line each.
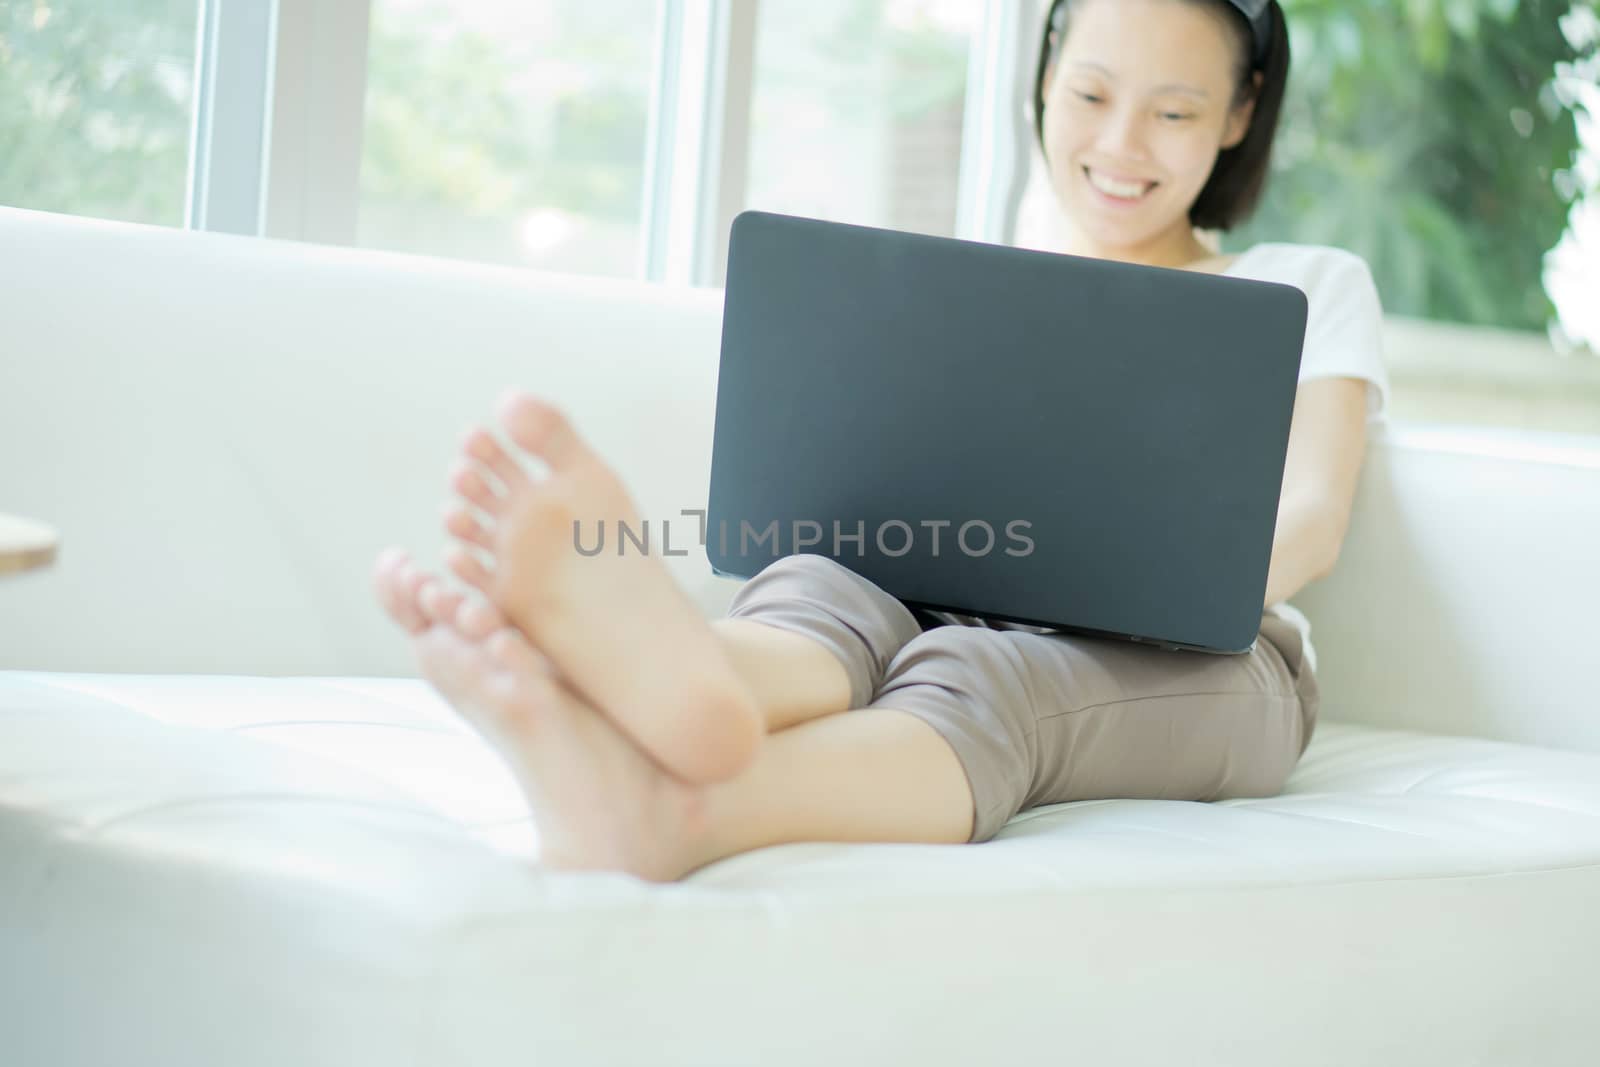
(1451,143)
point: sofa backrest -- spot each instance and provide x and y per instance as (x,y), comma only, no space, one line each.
(226,430)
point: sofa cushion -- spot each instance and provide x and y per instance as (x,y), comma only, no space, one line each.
(273,870)
(1461,603)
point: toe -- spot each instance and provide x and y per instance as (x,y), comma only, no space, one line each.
(467,479)
(482,447)
(466,566)
(477,619)
(542,429)
(452,664)
(388,560)
(461,524)
(408,580)
(405,582)
(511,651)
(383,569)
(391,593)
(438,603)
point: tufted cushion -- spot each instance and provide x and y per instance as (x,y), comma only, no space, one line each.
(252,870)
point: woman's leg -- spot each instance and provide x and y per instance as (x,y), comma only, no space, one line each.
(810,637)
(1048,718)
(793,678)
(972,725)
(681,698)
(601,803)
(876,774)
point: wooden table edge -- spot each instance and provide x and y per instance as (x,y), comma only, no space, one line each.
(27,559)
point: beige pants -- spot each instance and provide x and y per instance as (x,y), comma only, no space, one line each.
(1043,718)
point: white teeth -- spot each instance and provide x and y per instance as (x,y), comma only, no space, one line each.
(1112,187)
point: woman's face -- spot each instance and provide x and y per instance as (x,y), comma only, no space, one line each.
(1136,108)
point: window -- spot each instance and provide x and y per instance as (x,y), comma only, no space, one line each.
(1438,141)
(1451,143)
(1443,142)
(96,106)
(856,110)
(508,130)
(1572,276)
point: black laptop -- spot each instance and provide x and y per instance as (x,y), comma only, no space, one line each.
(1062,441)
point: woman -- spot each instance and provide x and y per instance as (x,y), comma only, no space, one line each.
(1156,118)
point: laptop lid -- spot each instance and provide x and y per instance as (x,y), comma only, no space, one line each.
(1050,439)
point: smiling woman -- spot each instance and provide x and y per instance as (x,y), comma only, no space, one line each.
(1157,120)
(1136,130)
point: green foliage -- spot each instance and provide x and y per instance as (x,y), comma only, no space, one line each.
(448,133)
(928,63)
(1430,137)
(95,106)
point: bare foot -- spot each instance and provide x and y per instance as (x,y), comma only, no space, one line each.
(415,600)
(616,625)
(598,801)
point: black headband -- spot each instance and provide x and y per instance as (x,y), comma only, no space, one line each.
(1257,12)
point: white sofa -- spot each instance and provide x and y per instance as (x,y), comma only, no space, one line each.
(234,829)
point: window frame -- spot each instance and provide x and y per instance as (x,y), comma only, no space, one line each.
(265,161)
(280,105)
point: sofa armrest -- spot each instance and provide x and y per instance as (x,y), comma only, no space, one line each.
(1464,599)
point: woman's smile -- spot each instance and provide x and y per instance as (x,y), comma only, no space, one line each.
(1117,192)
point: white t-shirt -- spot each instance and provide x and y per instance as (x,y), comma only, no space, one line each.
(1344,338)
(1344,335)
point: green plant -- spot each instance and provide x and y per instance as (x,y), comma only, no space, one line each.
(1433,138)
(95,106)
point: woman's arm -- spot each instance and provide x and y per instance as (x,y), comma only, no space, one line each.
(1327,442)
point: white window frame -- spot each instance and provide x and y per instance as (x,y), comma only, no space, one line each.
(312,181)
(995,134)
(278,124)
(697,147)
(228,137)
(282,90)
(276,142)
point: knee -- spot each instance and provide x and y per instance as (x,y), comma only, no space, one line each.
(974,673)
(807,566)
(819,594)
(952,653)
(787,575)
(968,683)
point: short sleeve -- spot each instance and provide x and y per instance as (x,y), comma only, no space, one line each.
(1344,326)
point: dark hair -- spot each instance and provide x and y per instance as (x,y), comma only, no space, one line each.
(1236,183)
